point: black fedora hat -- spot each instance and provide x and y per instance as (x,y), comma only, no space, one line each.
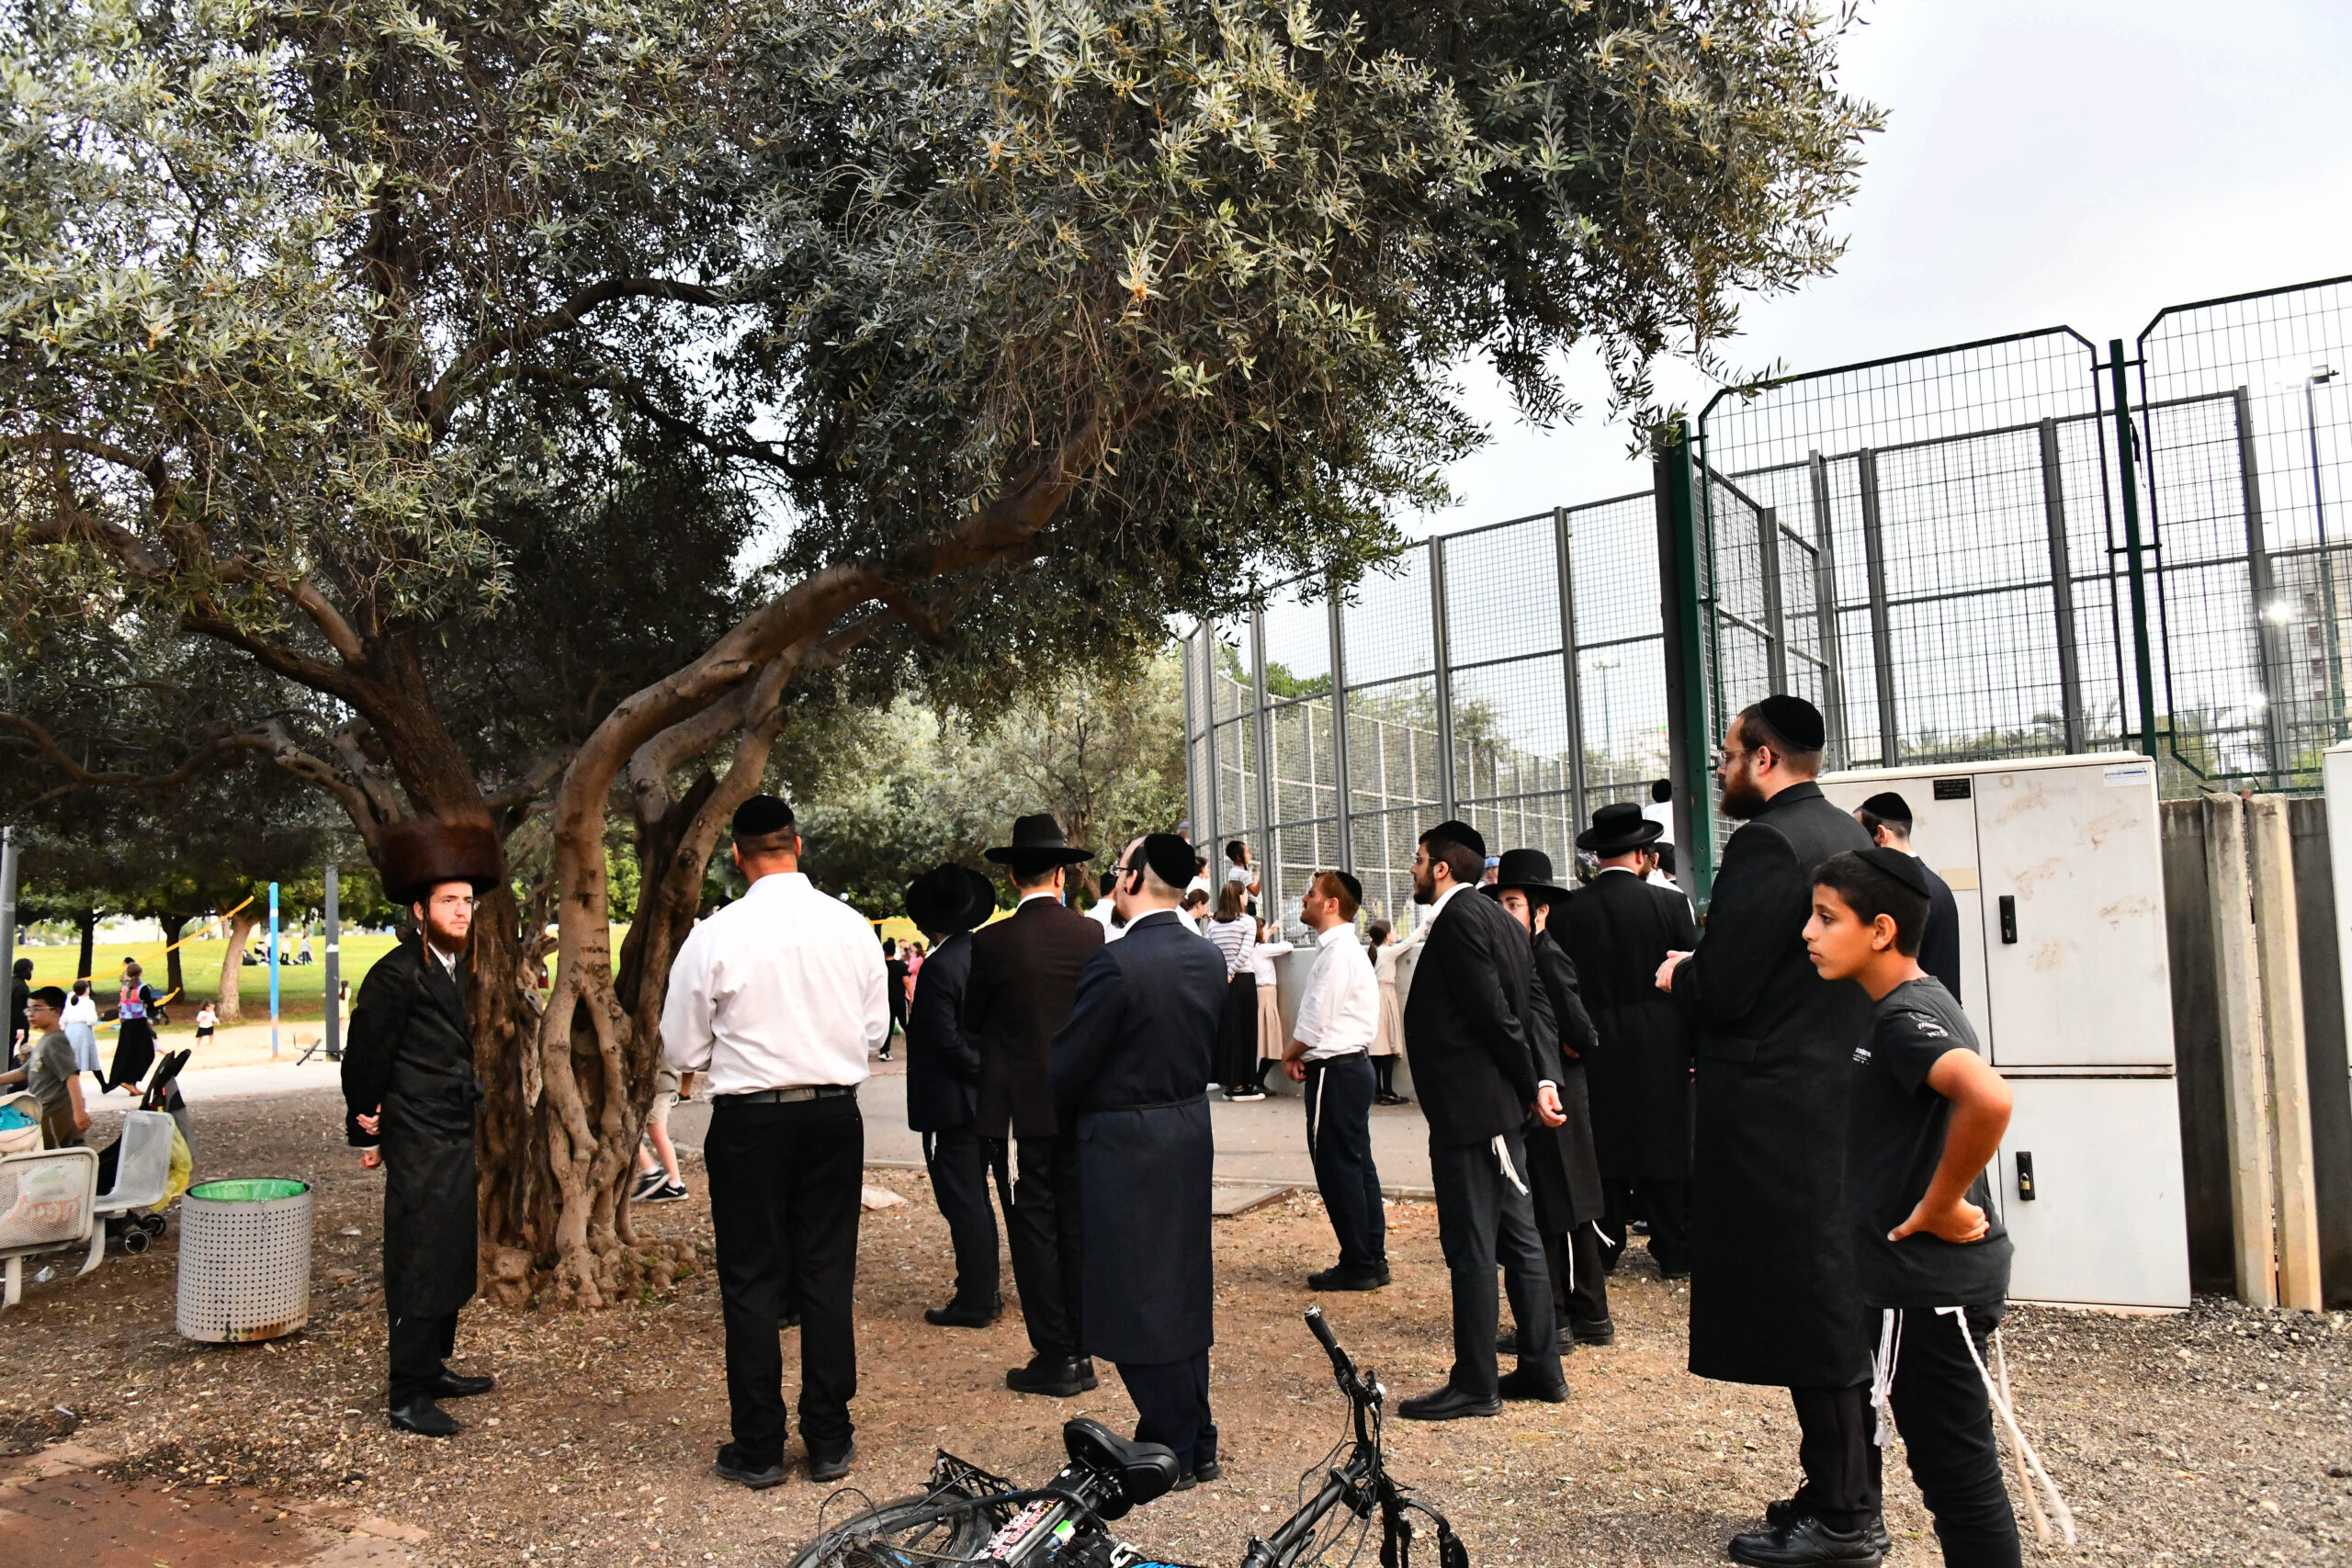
(1529,870)
(1038,840)
(949,899)
(1619,829)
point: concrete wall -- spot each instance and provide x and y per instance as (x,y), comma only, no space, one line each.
(2198,1049)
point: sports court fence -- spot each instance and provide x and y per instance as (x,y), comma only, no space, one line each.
(2022,546)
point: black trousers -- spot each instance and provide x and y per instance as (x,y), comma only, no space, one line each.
(1339,1140)
(1575,1261)
(784,1184)
(958,1165)
(1173,1407)
(1946,1419)
(1045,1234)
(1840,1461)
(420,1353)
(1484,1219)
(1665,1202)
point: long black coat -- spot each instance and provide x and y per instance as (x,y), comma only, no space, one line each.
(942,1065)
(1618,931)
(1939,938)
(1023,976)
(409,1051)
(1772,1293)
(1563,1174)
(1128,1071)
(1468,1022)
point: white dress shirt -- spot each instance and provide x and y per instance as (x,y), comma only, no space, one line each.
(1103,915)
(1261,961)
(1339,1011)
(783,988)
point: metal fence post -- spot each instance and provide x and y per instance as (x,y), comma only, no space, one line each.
(9,911)
(1343,776)
(1444,678)
(1890,748)
(1689,739)
(1825,602)
(1262,728)
(1571,664)
(2062,590)
(1768,567)
(2127,463)
(2269,659)
(1206,825)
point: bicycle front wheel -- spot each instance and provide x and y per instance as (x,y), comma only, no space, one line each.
(921,1531)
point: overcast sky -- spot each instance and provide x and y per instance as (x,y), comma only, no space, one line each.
(2077,163)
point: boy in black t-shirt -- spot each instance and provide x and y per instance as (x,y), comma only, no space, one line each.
(1927,1113)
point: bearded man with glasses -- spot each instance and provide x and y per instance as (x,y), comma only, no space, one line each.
(411,1099)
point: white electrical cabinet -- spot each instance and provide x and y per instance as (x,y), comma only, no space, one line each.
(2056,867)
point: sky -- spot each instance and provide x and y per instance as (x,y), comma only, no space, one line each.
(2077,163)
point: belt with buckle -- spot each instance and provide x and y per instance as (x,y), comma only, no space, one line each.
(792,1096)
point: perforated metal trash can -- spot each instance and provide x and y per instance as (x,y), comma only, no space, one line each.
(245,1259)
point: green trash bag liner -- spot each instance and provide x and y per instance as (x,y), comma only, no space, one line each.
(248,1190)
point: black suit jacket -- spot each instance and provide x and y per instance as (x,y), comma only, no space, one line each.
(1940,938)
(1023,977)
(1618,930)
(942,1065)
(1468,1023)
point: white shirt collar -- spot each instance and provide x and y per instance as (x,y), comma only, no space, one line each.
(1446,898)
(1626,869)
(1041,893)
(448,960)
(1154,914)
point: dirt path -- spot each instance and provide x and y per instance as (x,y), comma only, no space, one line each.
(2222,1436)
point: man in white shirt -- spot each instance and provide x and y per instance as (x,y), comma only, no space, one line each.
(778,996)
(1329,1053)
(1101,911)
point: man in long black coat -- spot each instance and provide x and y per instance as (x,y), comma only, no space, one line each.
(1467,1027)
(1619,928)
(1023,977)
(1773,1297)
(410,1096)
(1886,818)
(1127,1073)
(1563,1171)
(944,1087)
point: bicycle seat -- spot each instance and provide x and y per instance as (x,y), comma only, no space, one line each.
(1140,1472)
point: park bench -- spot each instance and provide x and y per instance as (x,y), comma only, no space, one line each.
(49,1200)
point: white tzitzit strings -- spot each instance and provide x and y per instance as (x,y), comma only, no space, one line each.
(2029,1460)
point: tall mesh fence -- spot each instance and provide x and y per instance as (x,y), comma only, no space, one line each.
(1931,548)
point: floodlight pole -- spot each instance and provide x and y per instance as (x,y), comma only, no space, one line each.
(272,971)
(333,1032)
(2142,666)
(2330,639)
(8,915)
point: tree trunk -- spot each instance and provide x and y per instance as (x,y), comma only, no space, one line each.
(88,919)
(174,978)
(233,967)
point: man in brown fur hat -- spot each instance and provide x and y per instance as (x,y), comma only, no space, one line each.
(410,1091)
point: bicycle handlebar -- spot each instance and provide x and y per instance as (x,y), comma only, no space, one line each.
(1321,1330)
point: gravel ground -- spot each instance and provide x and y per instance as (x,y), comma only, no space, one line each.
(2225,1435)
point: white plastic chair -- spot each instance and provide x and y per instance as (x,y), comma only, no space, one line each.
(143,1170)
(47,1205)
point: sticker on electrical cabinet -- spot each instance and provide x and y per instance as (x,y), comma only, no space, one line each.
(2123,775)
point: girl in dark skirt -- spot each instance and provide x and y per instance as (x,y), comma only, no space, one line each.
(1234,932)
(134,1048)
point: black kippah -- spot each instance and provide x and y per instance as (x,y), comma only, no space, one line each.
(1904,868)
(1794,720)
(760,816)
(1888,807)
(1355,888)
(1461,833)
(1169,855)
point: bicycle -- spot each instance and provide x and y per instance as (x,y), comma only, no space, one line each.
(969,1517)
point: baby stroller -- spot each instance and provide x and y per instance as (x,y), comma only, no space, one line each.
(164,1165)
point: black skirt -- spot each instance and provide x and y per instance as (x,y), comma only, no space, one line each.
(134,1053)
(1237,1033)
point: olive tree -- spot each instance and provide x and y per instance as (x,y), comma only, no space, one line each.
(956,342)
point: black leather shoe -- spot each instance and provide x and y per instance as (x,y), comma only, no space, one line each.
(954,1317)
(1788,1510)
(789,1320)
(1185,1482)
(1592,1330)
(1061,1377)
(1207,1470)
(1447,1403)
(1336,1278)
(830,1467)
(754,1474)
(425,1418)
(1805,1541)
(1526,1382)
(452,1386)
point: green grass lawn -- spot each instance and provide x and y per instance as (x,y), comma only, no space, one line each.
(301,987)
